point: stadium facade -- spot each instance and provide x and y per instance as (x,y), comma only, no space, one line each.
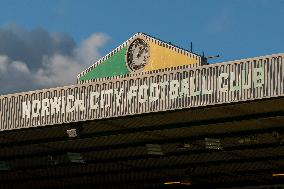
(149,115)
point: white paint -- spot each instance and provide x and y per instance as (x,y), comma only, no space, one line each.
(193,87)
(154,92)
(234,83)
(205,85)
(94,100)
(142,93)
(132,93)
(222,80)
(174,89)
(45,107)
(26,109)
(70,100)
(184,88)
(55,105)
(118,96)
(163,89)
(106,98)
(258,77)
(35,108)
(246,79)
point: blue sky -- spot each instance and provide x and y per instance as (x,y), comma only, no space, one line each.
(232,28)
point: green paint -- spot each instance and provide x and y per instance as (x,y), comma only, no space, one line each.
(113,66)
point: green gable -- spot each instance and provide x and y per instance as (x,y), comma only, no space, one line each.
(113,66)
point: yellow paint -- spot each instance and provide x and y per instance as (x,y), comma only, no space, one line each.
(162,57)
(178,182)
(278,174)
(168,183)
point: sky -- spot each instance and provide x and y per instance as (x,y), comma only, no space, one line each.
(46,43)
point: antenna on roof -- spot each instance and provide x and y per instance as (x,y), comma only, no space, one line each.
(216,56)
(191,47)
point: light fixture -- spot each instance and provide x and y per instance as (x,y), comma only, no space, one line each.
(74,130)
(213,144)
(72,133)
(154,149)
(75,157)
(278,174)
(182,182)
(169,183)
(184,146)
(4,166)
(252,139)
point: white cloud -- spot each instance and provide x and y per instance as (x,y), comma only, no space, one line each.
(88,49)
(15,76)
(3,64)
(19,67)
(61,69)
(58,65)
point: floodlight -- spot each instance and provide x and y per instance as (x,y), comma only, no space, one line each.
(154,149)
(75,157)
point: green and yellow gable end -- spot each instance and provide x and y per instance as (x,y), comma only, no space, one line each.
(140,53)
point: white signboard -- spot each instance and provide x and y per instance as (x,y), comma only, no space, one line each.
(167,90)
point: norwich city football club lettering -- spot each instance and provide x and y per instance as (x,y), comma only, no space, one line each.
(165,90)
